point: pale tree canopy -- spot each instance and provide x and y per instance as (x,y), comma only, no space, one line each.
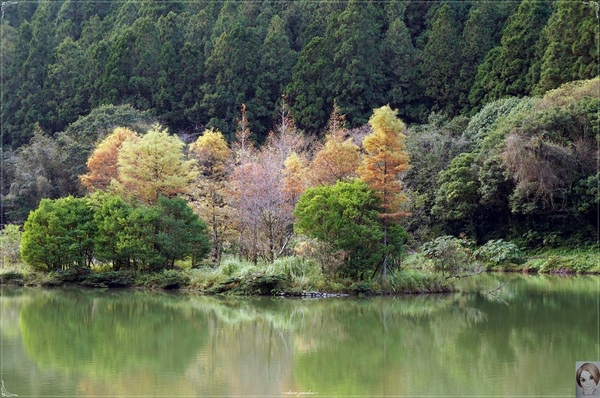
(154,165)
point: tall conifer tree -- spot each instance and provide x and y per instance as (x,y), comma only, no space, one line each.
(385,159)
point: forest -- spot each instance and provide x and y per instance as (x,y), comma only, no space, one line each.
(259,114)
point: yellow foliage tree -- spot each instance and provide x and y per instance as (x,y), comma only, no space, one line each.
(214,156)
(293,178)
(154,165)
(384,160)
(212,153)
(338,158)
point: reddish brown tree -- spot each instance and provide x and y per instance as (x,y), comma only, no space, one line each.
(102,163)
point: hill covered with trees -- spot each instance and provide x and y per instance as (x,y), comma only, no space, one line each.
(192,64)
(260,106)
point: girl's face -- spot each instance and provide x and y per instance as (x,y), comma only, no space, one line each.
(586,380)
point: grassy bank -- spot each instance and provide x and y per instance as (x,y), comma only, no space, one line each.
(579,261)
(503,258)
(294,276)
(290,276)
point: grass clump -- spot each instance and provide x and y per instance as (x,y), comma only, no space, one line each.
(11,277)
(580,261)
(410,281)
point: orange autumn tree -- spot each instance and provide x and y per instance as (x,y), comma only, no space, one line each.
(102,164)
(384,160)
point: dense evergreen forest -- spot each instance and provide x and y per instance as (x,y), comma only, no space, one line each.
(499,98)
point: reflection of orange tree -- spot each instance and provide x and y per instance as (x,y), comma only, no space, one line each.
(110,335)
(347,358)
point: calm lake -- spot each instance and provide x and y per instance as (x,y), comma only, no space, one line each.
(522,340)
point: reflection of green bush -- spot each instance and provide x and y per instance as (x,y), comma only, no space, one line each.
(108,334)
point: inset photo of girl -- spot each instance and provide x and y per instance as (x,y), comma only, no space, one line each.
(587,378)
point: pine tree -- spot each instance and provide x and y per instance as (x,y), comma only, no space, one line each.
(103,162)
(275,72)
(442,58)
(357,77)
(401,69)
(209,194)
(338,158)
(230,75)
(481,33)
(572,49)
(505,70)
(309,91)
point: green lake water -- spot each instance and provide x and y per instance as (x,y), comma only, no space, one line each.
(521,340)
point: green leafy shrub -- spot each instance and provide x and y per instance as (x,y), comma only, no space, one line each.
(499,252)
(450,255)
(229,267)
(59,234)
(10,243)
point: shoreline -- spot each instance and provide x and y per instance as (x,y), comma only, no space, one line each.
(253,285)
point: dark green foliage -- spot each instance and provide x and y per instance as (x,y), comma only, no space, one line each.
(59,235)
(458,193)
(68,87)
(112,217)
(180,232)
(401,75)
(310,94)
(431,148)
(110,279)
(71,232)
(357,77)
(481,32)
(442,58)
(529,169)
(192,64)
(571,52)
(260,283)
(506,68)
(11,278)
(275,72)
(230,72)
(166,279)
